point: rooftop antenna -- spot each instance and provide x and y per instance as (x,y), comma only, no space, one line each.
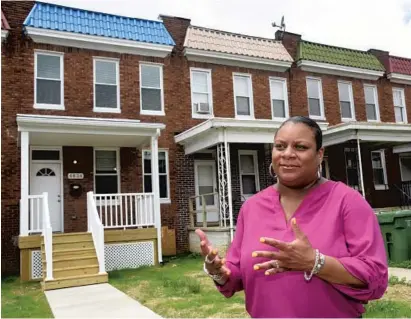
(281,26)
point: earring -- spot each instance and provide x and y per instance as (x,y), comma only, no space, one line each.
(271,171)
(319,172)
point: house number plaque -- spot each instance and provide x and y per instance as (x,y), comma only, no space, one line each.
(75,175)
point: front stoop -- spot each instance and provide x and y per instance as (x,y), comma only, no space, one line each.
(74,262)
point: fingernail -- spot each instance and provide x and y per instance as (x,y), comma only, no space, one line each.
(223,261)
(256,267)
(293,221)
(214,252)
(262,240)
(254,254)
(267,273)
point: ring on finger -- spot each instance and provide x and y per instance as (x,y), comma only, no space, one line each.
(275,264)
(208,261)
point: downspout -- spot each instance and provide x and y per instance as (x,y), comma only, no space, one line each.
(360,164)
(229,195)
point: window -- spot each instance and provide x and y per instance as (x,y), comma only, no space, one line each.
(399,105)
(379,170)
(49,81)
(371,103)
(249,180)
(106,171)
(151,89)
(346,100)
(243,96)
(45,155)
(279,98)
(201,93)
(106,85)
(162,170)
(315,98)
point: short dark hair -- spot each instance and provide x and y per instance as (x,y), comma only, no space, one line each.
(310,123)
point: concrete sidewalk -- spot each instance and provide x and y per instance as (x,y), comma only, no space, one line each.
(400,273)
(95,301)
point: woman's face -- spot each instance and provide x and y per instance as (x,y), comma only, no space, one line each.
(295,157)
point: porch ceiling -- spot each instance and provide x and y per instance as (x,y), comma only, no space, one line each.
(368,131)
(82,131)
(217,130)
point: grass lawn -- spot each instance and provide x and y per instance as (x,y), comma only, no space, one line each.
(23,299)
(178,289)
(181,289)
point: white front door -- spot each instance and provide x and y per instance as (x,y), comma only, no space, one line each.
(46,177)
(206,183)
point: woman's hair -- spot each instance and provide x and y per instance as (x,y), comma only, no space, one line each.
(311,124)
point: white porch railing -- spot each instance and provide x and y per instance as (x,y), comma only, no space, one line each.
(125,210)
(96,228)
(35,216)
(47,237)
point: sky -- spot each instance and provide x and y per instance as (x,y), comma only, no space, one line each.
(355,24)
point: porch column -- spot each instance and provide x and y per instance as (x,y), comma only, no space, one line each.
(360,164)
(229,197)
(24,183)
(155,182)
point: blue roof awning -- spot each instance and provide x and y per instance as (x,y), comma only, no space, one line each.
(60,18)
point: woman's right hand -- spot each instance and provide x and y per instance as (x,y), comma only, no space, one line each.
(213,263)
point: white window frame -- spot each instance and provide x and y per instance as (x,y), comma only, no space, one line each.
(106,109)
(117,149)
(194,114)
(320,88)
(377,106)
(403,103)
(384,168)
(250,89)
(285,92)
(43,105)
(257,178)
(351,96)
(166,200)
(150,112)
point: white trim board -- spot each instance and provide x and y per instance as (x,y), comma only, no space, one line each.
(236,60)
(99,43)
(404,148)
(327,68)
(399,78)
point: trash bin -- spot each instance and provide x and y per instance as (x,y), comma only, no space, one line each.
(396,230)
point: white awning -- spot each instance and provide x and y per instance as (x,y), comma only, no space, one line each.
(86,131)
(217,130)
(367,131)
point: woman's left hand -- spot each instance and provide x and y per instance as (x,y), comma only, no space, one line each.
(295,255)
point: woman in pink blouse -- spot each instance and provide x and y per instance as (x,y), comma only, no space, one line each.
(306,246)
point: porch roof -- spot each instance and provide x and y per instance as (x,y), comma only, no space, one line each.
(86,131)
(217,130)
(367,131)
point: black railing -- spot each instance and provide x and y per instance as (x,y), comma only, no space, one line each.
(405,194)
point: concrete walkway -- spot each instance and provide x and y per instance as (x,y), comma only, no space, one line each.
(400,273)
(95,301)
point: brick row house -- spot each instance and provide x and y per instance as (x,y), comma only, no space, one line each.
(145,121)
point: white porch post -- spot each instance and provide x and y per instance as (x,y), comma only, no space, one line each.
(360,164)
(155,182)
(229,195)
(24,183)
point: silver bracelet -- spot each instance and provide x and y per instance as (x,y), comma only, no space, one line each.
(216,278)
(318,265)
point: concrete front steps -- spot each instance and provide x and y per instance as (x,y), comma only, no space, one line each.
(74,262)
